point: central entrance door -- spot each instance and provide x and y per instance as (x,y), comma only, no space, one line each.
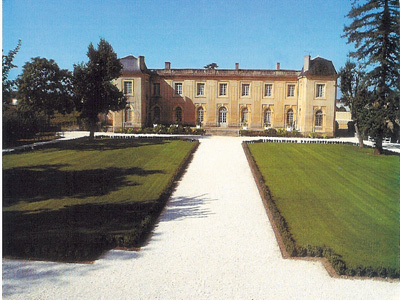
(222,117)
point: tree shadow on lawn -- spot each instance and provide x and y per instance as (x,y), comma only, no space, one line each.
(76,233)
(43,182)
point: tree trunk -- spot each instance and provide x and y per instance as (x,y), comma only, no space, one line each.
(378,144)
(359,136)
(92,128)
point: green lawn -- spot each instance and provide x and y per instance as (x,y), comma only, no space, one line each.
(339,196)
(75,199)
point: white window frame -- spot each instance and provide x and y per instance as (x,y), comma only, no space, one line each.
(245,89)
(320,118)
(225,90)
(200,89)
(178,91)
(291,93)
(320,90)
(125,89)
(269,89)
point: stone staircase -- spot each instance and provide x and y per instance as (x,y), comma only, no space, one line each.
(222,131)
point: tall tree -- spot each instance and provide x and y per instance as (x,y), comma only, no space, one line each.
(8,85)
(95,92)
(43,86)
(355,95)
(375,33)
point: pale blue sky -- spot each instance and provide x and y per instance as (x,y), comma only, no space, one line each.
(189,34)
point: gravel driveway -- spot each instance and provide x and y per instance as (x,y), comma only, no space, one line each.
(214,241)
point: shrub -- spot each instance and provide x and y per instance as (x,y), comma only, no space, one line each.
(313,135)
(281,132)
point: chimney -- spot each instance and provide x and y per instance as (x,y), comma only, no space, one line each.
(142,65)
(278,66)
(306,63)
(167,65)
(237,66)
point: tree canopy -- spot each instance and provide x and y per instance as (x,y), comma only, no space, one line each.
(211,66)
(375,33)
(95,92)
(43,86)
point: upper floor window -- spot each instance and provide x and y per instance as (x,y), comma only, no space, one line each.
(128,87)
(290,90)
(156,89)
(268,90)
(223,89)
(320,90)
(178,88)
(200,89)
(245,89)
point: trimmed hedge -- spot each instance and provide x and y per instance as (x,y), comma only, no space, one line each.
(295,250)
(271,132)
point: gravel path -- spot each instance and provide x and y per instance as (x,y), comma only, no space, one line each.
(214,241)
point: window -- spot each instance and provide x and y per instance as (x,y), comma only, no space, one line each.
(128,114)
(200,89)
(245,115)
(318,119)
(223,89)
(290,90)
(267,118)
(128,87)
(268,90)
(156,115)
(200,114)
(178,115)
(156,89)
(320,90)
(178,88)
(222,115)
(245,89)
(289,118)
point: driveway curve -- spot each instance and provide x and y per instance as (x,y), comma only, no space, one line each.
(213,241)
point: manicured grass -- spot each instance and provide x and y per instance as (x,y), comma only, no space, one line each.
(339,196)
(85,196)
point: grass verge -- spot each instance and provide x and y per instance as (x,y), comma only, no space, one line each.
(336,201)
(74,200)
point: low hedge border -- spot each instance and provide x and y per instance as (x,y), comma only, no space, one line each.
(332,261)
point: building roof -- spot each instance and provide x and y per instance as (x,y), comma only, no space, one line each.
(130,64)
(320,66)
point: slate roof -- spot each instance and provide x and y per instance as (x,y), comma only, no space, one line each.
(320,67)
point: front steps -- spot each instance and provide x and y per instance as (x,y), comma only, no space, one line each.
(222,131)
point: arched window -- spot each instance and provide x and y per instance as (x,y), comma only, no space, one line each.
(289,118)
(267,117)
(200,114)
(222,115)
(156,115)
(178,115)
(245,115)
(318,119)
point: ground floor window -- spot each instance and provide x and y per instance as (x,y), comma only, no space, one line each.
(128,114)
(156,115)
(289,118)
(318,119)
(267,118)
(200,114)
(245,116)
(178,115)
(222,115)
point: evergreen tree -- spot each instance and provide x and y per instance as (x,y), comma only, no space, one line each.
(44,87)
(7,84)
(95,92)
(355,95)
(375,33)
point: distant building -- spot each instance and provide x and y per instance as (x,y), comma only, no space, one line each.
(291,99)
